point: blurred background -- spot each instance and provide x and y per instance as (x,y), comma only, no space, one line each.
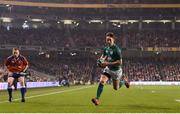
(62,39)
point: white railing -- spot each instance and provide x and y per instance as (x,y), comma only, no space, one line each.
(3,86)
(154,83)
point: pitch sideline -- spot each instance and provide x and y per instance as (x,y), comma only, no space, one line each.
(46,94)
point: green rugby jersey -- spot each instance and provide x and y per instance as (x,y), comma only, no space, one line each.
(113,53)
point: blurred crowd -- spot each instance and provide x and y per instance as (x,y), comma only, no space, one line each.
(84,70)
(142,70)
(81,72)
(138,39)
(76,71)
(37,37)
(171,70)
(54,37)
(135,69)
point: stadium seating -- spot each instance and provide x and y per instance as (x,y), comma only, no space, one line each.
(88,38)
(79,70)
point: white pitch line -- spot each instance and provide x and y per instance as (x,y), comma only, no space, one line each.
(177,100)
(46,94)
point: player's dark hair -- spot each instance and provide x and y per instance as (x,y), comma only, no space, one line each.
(15,48)
(110,34)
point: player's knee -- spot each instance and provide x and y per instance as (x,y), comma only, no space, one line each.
(115,88)
(10,82)
(22,84)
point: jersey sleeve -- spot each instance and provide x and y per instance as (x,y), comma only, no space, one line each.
(119,53)
(7,61)
(25,62)
(104,51)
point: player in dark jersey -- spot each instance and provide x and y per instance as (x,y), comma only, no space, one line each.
(16,65)
(111,61)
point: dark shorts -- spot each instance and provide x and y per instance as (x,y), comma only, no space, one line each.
(16,75)
(107,75)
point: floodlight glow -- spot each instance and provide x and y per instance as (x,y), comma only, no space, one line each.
(96,21)
(37,20)
(6,19)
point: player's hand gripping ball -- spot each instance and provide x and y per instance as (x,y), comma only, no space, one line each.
(99,63)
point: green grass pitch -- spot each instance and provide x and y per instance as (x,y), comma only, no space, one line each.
(78,99)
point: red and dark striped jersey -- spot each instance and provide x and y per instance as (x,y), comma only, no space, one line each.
(16,64)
